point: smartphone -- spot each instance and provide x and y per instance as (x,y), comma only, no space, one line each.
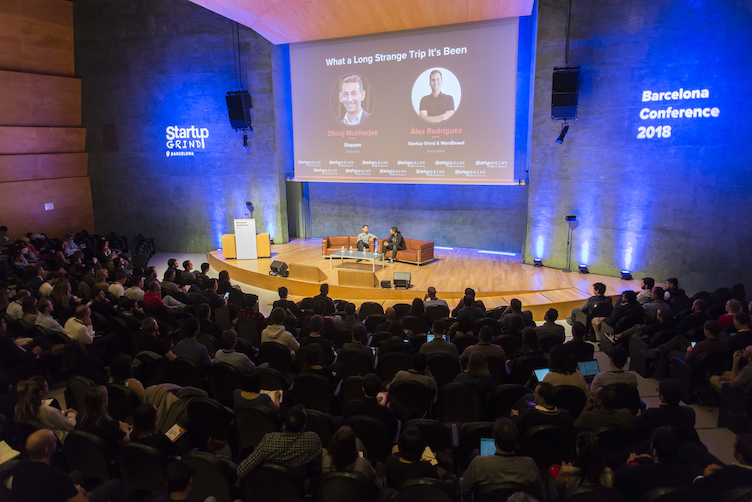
(692,344)
(227,295)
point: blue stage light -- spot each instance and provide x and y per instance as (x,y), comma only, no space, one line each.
(625,275)
(537,262)
(584,269)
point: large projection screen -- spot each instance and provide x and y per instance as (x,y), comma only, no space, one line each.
(408,124)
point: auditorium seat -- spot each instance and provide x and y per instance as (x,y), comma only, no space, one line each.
(213,476)
(346,487)
(369,308)
(459,403)
(273,483)
(427,489)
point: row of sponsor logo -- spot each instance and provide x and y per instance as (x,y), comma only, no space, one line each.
(406,163)
(356,171)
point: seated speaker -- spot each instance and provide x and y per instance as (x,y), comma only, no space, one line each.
(279,268)
(401,280)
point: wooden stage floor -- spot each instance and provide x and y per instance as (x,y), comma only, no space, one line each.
(495,278)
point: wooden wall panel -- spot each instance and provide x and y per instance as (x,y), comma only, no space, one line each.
(39,100)
(43,166)
(42,140)
(23,206)
(36,36)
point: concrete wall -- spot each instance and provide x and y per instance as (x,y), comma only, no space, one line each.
(146,66)
(661,207)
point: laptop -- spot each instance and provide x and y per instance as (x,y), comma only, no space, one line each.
(588,369)
(541,373)
(430,337)
(487,447)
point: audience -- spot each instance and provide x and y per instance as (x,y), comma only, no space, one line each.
(418,373)
(251,394)
(589,467)
(228,355)
(477,375)
(406,460)
(276,332)
(343,456)
(549,328)
(190,348)
(563,371)
(544,411)
(369,405)
(438,345)
(484,346)
(600,412)
(617,358)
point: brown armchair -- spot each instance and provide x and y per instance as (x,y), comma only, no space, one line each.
(416,252)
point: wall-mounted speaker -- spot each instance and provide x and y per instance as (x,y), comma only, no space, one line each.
(239,109)
(401,280)
(564,93)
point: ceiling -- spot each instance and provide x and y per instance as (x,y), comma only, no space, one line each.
(288,21)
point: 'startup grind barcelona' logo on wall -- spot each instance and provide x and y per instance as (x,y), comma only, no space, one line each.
(185,141)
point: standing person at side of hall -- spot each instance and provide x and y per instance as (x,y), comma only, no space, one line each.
(430,299)
(617,358)
(395,242)
(549,328)
(599,297)
(351,95)
(437,106)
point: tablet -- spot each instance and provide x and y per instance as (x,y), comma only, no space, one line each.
(588,368)
(487,447)
(430,337)
(540,374)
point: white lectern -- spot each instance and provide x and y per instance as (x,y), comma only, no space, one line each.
(245,239)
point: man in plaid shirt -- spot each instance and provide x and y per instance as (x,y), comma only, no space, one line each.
(293,448)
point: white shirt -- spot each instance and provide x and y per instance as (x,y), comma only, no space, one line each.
(75,329)
(47,321)
(354,121)
(45,289)
(134,293)
(116,289)
(14,310)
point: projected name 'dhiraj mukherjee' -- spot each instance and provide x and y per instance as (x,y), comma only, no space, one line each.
(683,105)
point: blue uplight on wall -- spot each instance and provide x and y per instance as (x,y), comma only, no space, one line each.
(539,248)
(585,255)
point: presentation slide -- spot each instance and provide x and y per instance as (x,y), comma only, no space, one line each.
(435,105)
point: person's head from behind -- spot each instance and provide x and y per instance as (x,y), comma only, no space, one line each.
(590,459)
(282,292)
(342,448)
(324,289)
(467,301)
(203,311)
(229,339)
(669,391)
(544,394)
(319,307)
(505,435)
(390,314)
(411,444)
(316,323)
(485,334)
(605,399)
(465,324)
(251,381)
(618,356)
(418,307)
(741,320)
(530,339)
(477,365)
(350,309)
(190,327)
(95,406)
(515,324)
(439,328)
(551,315)
(150,326)
(699,305)
(278,315)
(313,354)
(432,293)
(358,333)
(629,297)
(733,306)
(396,330)
(665,445)
(562,361)
(295,421)
(204,268)
(420,362)
(144,421)
(578,331)
(516,305)
(371,385)
(179,475)
(743,449)
(712,329)
(121,368)
(599,288)
(169,274)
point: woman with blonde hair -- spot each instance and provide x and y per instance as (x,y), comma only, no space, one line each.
(65,303)
(477,375)
(96,420)
(29,407)
(100,278)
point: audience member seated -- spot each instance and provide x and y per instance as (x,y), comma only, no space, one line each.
(564,370)
(477,303)
(12,355)
(35,479)
(153,297)
(287,304)
(695,318)
(736,378)
(617,358)
(418,309)
(49,284)
(329,308)
(145,431)
(276,332)
(549,328)
(716,479)
(470,310)
(629,307)
(369,405)
(136,291)
(188,275)
(647,471)
(149,339)
(599,412)
(589,467)
(430,299)
(358,333)
(80,327)
(250,393)
(679,346)
(515,308)
(78,361)
(577,347)
(101,304)
(484,346)
(477,375)
(251,311)
(14,310)
(418,373)
(405,462)
(117,288)
(529,346)
(599,297)
(205,324)
(462,327)
(30,312)
(95,420)
(672,289)
(228,355)
(313,357)
(396,342)
(504,466)
(670,413)
(343,455)
(300,451)
(743,336)
(214,296)
(30,407)
(514,325)
(389,315)
(121,373)
(189,347)
(646,290)
(664,324)
(657,302)
(542,412)
(314,337)
(733,307)
(438,345)
(65,302)
(202,277)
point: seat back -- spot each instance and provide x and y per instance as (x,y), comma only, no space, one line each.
(142,469)
(626,397)
(369,308)
(427,489)
(222,317)
(548,445)
(186,373)
(208,341)
(470,436)
(436,312)
(251,423)
(437,435)
(463,342)
(674,494)
(87,453)
(374,434)
(247,329)
(76,391)
(272,379)
(122,401)
(209,417)
(500,491)
(354,363)
(313,391)
(223,380)
(350,388)
(277,355)
(504,397)
(614,438)
(273,483)
(487,321)
(401,310)
(548,342)
(523,367)
(570,398)
(443,368)
(415,324)
(498,369)
(212,476)
(374,320)
(321,424)
(591,494)
(392,362)
(511,344)
(346,487)
(459,403)
(413,396)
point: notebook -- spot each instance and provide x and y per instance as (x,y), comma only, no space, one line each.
(541,373)
(487,447)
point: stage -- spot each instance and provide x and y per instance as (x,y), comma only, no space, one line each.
(496,278)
